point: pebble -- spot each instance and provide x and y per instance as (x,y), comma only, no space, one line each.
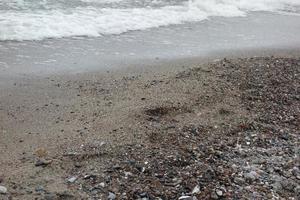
(251,176)
(185,198)
(3,190)
(277,186)
(41,152)
(78,165)
(239,180)
(42,162)
(111,196)
(297,191)
(214,196)
(72,179)
(296,171)
(288,184)
(219,192)
(196,189)
(102,184)
(50,196)
(39,189)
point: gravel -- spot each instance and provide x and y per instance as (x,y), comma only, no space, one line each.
(251,152)
(225,130)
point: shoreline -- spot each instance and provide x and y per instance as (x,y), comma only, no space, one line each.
(167,131)
(257,31)
(151,65)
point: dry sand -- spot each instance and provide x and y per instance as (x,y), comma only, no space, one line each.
(228,129)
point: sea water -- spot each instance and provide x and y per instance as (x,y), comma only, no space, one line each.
(41,19)
(42,37)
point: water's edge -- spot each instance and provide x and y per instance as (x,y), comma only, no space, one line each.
(203,39)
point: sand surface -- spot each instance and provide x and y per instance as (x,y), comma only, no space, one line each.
(224,129)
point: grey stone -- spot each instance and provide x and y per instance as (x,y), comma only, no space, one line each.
(50,197)
(72,179)
(39,189)
(214,196)
(277,187)
(111,196)
(296,171)
(251,176)
(239,180)
(297,192)
(3,190)
(196,189)
(288,184)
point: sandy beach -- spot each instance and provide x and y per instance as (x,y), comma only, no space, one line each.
(149,99)
(224,129)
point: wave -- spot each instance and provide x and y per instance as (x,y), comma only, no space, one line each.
(28,24)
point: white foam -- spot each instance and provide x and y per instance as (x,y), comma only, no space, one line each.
(101,1)
(91,21)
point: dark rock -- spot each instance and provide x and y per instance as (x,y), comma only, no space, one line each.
(42,162)
(50,197)
(39,189)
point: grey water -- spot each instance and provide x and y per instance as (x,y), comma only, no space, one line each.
(257,30)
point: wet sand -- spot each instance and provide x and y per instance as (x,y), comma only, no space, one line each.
(224,129)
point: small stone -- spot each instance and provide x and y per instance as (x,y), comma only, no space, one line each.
(297,192)
(72,179)
(296,171)
(251,176)
(41,152)
(144,194)
(209,174)
(289,184)
(239,180)
(3,190)
(28,191)
(102,184)
(42,162)
(196,189)
(277,186)
(65,195)
(50,197)
(77,165)
(89,176)
(185,198)
(127,174)
(214,196)
(219,192)
(111,196)
(39,189)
